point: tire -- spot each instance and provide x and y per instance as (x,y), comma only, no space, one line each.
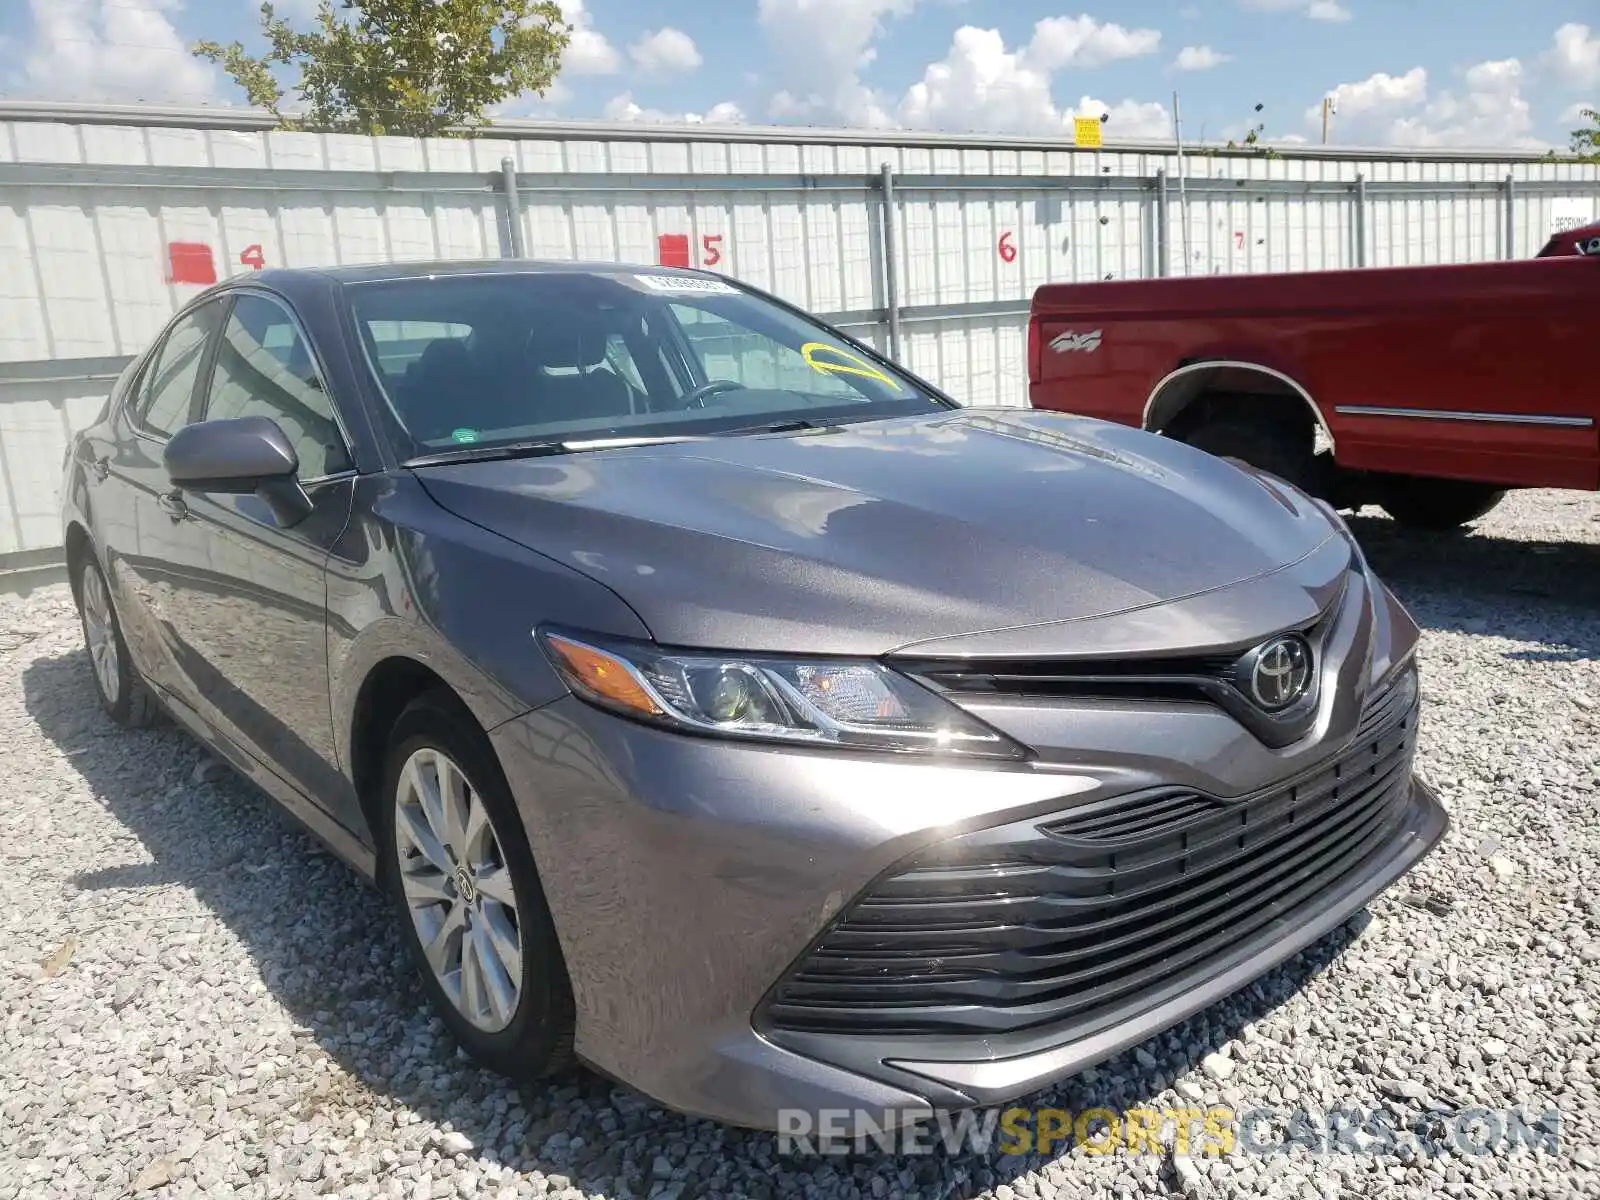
(123,695)
(1438,504)
(1266,446)
(529,1037)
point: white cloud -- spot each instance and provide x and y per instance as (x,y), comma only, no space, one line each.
(1317,10)
(1576,55)
(666,51)
(982,85)
(1378,93)
(588,53)
(624,108)
(979,84)
(530,104)
(819,48)
(1403,110)
(112,50)
(1199,58)
(1084,42)
(1128,119)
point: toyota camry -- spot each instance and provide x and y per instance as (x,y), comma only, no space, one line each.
(721,704)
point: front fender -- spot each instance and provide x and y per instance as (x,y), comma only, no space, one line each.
(409,580)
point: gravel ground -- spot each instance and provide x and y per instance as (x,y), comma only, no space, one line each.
(197,1000)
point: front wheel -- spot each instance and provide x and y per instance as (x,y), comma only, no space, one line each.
(1438,504)
(474,912)
(122,693)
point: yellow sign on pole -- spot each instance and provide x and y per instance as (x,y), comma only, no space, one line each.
(1086,132)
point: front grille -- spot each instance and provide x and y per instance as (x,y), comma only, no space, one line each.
(1121,678)
(1213,679)
(1182,677)
(1036,924)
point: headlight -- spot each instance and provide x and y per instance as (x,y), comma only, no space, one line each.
(824,702)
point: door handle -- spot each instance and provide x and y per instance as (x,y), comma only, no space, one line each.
(172,504)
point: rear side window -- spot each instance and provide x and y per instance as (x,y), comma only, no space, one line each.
(166,393)
(264,369)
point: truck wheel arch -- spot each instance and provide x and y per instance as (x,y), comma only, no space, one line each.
(1178,389)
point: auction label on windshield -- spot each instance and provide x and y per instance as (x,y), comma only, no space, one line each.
(687,283)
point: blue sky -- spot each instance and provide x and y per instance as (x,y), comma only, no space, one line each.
(1405,72)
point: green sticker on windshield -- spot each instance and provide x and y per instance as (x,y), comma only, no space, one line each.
(464,435)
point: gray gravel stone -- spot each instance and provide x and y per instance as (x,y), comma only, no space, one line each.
(236,1016)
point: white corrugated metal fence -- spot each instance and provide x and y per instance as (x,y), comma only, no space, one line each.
(929,247)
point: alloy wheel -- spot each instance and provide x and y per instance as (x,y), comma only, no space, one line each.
(99,630)
(458,890)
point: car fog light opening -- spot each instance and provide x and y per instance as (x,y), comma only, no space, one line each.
(843,703)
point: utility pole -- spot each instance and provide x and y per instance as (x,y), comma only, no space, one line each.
(1330,106)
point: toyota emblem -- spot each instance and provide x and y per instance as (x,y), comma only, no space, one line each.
(1278,673)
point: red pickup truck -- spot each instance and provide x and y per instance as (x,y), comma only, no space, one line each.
(1427,390)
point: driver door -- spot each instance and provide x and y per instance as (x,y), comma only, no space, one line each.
(252,614)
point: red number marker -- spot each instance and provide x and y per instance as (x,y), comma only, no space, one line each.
(1008,249)
(709,244)
(252,257)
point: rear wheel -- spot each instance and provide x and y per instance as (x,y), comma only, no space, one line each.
(1438,504)
(1279,449)
(474,912)
(122,693)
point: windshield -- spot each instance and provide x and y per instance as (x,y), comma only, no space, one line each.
(495,359)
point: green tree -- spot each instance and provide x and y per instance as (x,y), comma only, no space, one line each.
(1586,141)
(412,67)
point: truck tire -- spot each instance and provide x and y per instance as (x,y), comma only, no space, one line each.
(1276,449)
(1438,504)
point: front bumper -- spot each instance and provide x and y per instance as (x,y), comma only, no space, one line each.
(691,879)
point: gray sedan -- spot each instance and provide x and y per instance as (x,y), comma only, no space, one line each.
(722,705)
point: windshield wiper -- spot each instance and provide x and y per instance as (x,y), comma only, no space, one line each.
(791,426)
(509,450)
(466,454)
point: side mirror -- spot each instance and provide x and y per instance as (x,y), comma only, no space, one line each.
(1588,247)
(239,457)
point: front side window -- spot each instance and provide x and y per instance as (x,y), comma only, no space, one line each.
(166,393)
(264,369)
(559,356)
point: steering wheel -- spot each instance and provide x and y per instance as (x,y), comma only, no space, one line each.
(698,397)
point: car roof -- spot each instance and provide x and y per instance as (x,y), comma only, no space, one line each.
(383,272)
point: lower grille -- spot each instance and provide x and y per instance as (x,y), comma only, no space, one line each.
(1031,924)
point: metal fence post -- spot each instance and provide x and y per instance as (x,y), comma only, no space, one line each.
(508,185)
(891,262)
(1163,229)
(1361,220)
(1511,216)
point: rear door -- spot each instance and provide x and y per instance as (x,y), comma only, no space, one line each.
(251,620)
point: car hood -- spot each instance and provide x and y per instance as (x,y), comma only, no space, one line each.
(877,536)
